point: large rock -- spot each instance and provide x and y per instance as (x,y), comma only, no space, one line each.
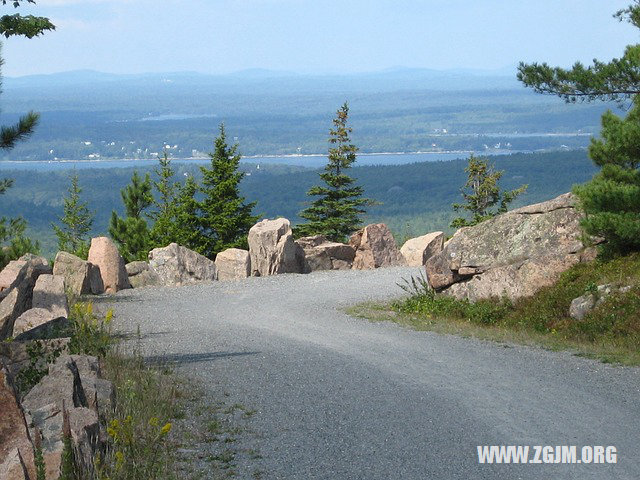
(100,393)
(71,389)
(176,265)
(28,267)
(15,354)
(11,307)
(80,277)
(49,293)
(417,251)
(322,254)
(513,255)
(233,264)
(50,309)
(142,275)
(16,449)
(273,250)
(13,467)
(104,254)
(375,248)
(62,385)
(19,278)
(12,274)
(37,323)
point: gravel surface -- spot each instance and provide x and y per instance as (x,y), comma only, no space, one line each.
(343,398)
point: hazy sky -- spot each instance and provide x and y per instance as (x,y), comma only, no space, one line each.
(220,36)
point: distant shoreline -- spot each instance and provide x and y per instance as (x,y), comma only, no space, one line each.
(244,157)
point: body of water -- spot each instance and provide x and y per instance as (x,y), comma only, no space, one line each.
(311,161)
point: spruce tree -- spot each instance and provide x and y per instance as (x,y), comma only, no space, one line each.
(163,230)
(482,193)
(186,230)
(132,232)
(225,217)
(76,222)
(338,210)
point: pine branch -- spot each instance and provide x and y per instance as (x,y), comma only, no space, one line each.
(9,136)
(26,26)
(5,184)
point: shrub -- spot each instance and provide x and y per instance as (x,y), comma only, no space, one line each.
(89,334)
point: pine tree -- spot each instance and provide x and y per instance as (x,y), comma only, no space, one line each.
(132,232)
(337,212)
(225,218)
(611,200)
(187,222)
(13,243)
(482,193)
(163,230)
(76,222)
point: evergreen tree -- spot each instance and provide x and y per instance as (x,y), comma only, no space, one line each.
(611,201)
(187,222)
(225,218)
(132,232)
(337,212)
(13,243)
(163,230)
(617,80)
(482,193)
(76,222)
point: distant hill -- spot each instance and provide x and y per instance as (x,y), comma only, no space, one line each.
(398,78)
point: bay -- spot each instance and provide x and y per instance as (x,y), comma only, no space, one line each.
(311,161)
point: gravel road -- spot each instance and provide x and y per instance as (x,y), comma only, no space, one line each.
(343,398)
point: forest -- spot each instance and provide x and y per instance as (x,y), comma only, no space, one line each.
(413,199)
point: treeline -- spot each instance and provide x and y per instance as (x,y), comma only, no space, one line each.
(413,199)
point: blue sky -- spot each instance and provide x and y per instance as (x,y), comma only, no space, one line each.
(315,36)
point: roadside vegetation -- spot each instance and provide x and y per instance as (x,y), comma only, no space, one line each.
(610,332)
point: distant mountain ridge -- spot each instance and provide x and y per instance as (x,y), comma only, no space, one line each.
(391,78)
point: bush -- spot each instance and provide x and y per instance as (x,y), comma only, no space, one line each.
(611,202)
(89,334)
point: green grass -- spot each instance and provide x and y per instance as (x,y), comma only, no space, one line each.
(610,333)
(148,402)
